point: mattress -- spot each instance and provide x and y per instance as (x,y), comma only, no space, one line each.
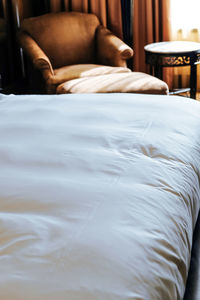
(99,196)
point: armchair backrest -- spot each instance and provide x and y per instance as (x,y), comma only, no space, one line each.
(66,38)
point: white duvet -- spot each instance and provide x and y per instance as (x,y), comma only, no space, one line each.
(99,196)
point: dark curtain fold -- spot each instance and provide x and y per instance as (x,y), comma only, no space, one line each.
(127,21)
(6,44)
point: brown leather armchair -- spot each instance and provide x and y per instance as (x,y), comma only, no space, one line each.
(70,45)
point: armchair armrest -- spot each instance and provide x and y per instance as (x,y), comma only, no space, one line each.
(36,55)
(110,49)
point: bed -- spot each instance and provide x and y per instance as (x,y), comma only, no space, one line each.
(99,196)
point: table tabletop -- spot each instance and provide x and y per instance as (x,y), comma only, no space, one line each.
(172,47)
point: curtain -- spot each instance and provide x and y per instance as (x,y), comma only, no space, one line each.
(21,9)
(108,11)
(185,26)
(127,21)
(6,45)
(151,24)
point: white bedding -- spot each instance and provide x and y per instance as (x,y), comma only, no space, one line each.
(99,196)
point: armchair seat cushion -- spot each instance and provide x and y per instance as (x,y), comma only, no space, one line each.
(133,82)
(85,70)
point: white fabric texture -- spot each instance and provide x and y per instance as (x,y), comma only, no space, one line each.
(99,195)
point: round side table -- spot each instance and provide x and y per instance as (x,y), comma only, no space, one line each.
(174,54)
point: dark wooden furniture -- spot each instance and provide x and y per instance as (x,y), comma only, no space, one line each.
(174,54)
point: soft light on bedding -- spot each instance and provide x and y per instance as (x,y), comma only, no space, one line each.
(99,195)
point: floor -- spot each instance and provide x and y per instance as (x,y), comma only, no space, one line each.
(188,95)
(198,96)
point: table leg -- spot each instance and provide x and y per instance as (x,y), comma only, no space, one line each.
(151,69)
(193,81)
(158,71)
(1,86)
